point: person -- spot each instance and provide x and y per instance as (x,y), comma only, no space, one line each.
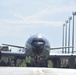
(28,61)
(37,60)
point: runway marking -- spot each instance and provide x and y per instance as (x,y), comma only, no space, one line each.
(34,72)
(41,72)
(37,72)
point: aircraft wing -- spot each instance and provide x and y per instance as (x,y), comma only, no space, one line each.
(13,54)
(61,47)
(55,48)
(19,55)
(13,46)
(60,55)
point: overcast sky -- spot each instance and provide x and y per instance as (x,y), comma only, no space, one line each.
(19,19)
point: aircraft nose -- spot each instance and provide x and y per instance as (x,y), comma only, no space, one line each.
(37,49)
(38,46)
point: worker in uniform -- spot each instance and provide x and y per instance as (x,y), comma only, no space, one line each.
(37,60)
(28,61)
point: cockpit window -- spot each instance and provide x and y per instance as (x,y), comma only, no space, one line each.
(34,42)
(40,41)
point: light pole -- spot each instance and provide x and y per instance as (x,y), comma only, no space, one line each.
(74,13)
(66,36)
(70,18)
(63,38)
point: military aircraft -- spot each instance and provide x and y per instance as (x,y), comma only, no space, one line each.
(38,47)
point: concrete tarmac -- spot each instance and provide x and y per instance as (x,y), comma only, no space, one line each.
(35,71)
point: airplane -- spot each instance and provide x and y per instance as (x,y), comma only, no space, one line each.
(37,46)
